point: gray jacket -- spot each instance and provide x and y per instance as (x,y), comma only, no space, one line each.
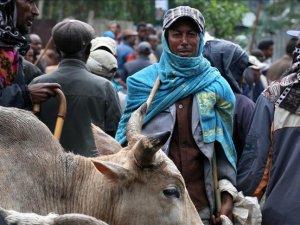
(90,99)
(165,121)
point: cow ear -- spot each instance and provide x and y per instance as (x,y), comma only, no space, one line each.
(111,170)
(105,144)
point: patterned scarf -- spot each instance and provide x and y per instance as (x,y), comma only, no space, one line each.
(9,35)
(180,77)
(8,66)
(285,93)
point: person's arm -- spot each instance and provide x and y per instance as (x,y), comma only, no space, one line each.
(226,208)
(254,158)
(42,91)
(15,95)
(113,110)
(23,96)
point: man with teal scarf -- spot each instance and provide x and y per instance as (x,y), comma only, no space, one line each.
(195,103)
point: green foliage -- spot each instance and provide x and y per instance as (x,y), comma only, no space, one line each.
(280,15)
(110,9)
(221,16)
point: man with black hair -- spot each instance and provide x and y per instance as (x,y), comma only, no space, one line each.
(278,67)
(143,51)
(90,98)
(267,47)
(141,29)
(16,18)
(196,104)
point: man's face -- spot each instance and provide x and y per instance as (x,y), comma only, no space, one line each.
(153,41)
(131,39)
(113,27)
(36,43)
(183,38)
(29,56)
(26,12)
(269,52)
(142,33)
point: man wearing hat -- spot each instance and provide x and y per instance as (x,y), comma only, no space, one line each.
(16,18)
(102,62)
(125,50)
(195,103)
(90,98)
(143,51)
(255,81)
(274,130)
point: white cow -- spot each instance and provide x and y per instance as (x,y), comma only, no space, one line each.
(139,185)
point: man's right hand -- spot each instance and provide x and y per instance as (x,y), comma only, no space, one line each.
(42,91)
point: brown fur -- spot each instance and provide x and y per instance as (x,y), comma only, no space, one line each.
(36,175)
(105,144)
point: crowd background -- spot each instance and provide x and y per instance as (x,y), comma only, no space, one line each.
(110,57)
(251,24)
(250,20)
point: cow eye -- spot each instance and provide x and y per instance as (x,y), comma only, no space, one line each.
(171,192)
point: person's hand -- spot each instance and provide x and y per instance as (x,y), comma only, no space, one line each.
(42,91)
(226,209)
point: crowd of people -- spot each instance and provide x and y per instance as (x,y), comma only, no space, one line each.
(217,99)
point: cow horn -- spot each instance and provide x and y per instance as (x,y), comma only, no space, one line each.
(134,126)
(147,146)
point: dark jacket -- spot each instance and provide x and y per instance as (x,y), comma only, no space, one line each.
(30,71)
(134,66)
(278,67)
(90,99)
(17,94)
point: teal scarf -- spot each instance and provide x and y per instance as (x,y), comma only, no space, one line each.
(180,77)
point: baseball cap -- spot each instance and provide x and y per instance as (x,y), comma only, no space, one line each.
(144,47)
(129,32)
(294,33)
(103,63)
(104,43)
(183,11)
(71,36)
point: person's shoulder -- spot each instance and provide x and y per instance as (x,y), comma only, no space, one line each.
(148,71)
(131,63)
(145,76)
(221,83)
(41,79)
(98,81)
(243,101)
(95,77)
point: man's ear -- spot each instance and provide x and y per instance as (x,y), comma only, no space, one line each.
(87,51)
(59,53)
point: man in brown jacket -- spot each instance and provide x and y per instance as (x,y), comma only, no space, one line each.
(278,67)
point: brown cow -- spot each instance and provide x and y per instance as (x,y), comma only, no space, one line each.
(137,185)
